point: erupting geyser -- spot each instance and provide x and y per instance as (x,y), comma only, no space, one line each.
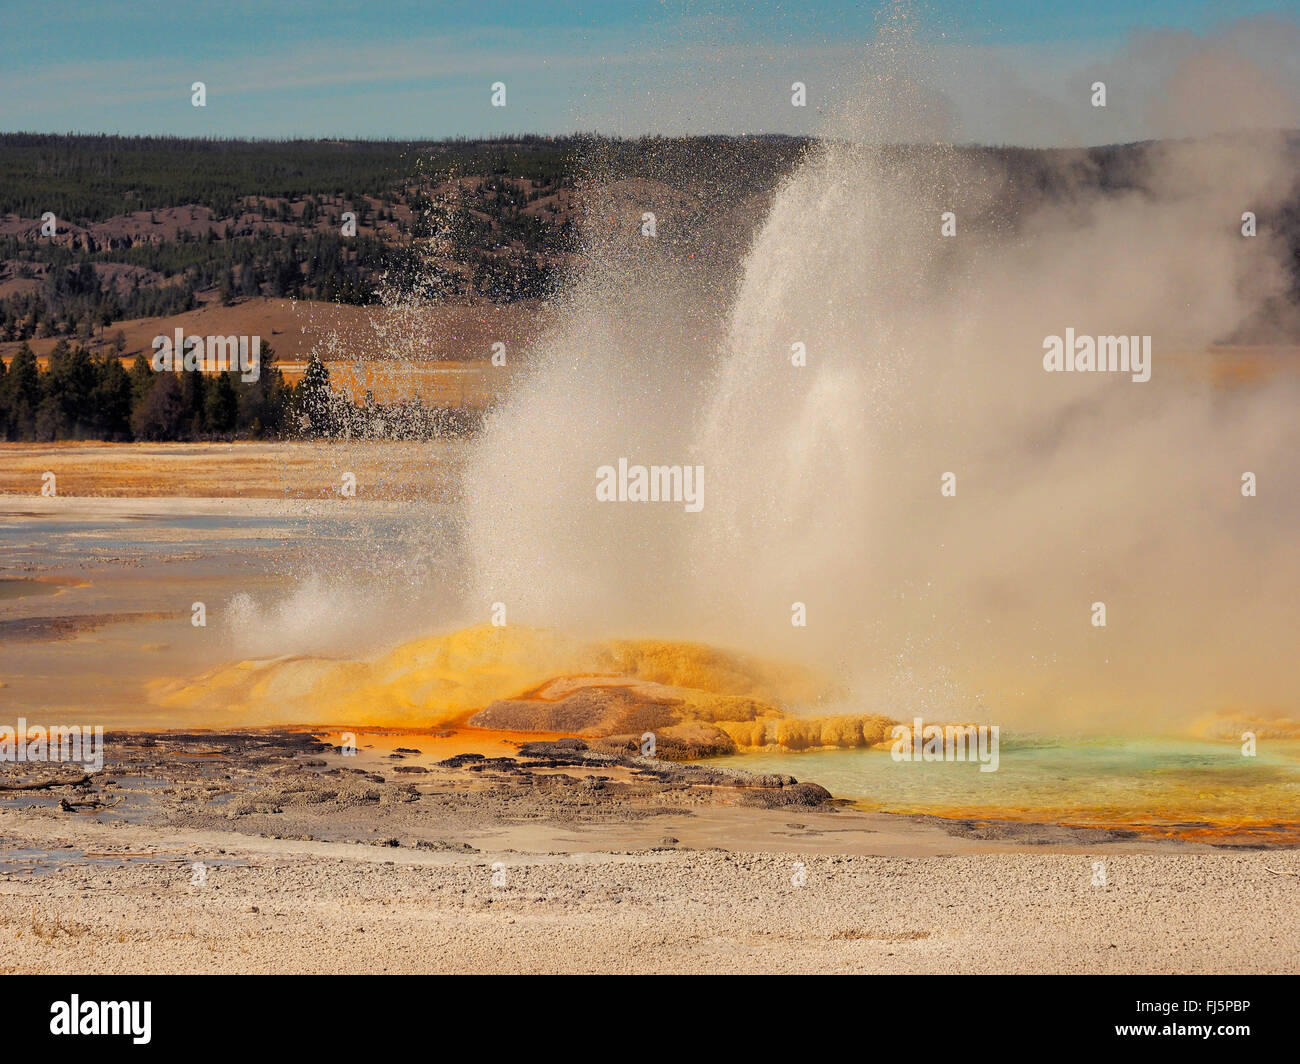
(862,358)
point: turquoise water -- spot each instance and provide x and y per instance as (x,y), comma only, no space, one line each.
(1163,785)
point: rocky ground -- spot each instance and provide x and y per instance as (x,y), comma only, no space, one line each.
(277,852)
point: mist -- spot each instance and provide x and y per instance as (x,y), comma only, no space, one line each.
(924,357)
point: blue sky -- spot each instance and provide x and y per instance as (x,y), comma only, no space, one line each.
(1007,69)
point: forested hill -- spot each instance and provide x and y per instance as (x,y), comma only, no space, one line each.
(106,241)
(154,226)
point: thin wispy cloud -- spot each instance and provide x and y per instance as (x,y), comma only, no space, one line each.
(421,71)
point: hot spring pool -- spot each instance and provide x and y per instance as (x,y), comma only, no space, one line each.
(1170,786)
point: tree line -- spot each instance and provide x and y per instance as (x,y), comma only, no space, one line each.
(87,178)
(73,299)
(81,396)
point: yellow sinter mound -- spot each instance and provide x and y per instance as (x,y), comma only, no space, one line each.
(438,679)
(1235,725)
(697,699)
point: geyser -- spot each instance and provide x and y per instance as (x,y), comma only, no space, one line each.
(922,365)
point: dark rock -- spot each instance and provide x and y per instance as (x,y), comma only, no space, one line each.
(807,795)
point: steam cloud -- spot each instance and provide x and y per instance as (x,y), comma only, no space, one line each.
(924,357)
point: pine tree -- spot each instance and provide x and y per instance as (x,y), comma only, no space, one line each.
(143,378)
(23,385)
(262,403)
(69,384)
(162,414)
(314,399)
(111,401)
(222,409)
(193,387)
